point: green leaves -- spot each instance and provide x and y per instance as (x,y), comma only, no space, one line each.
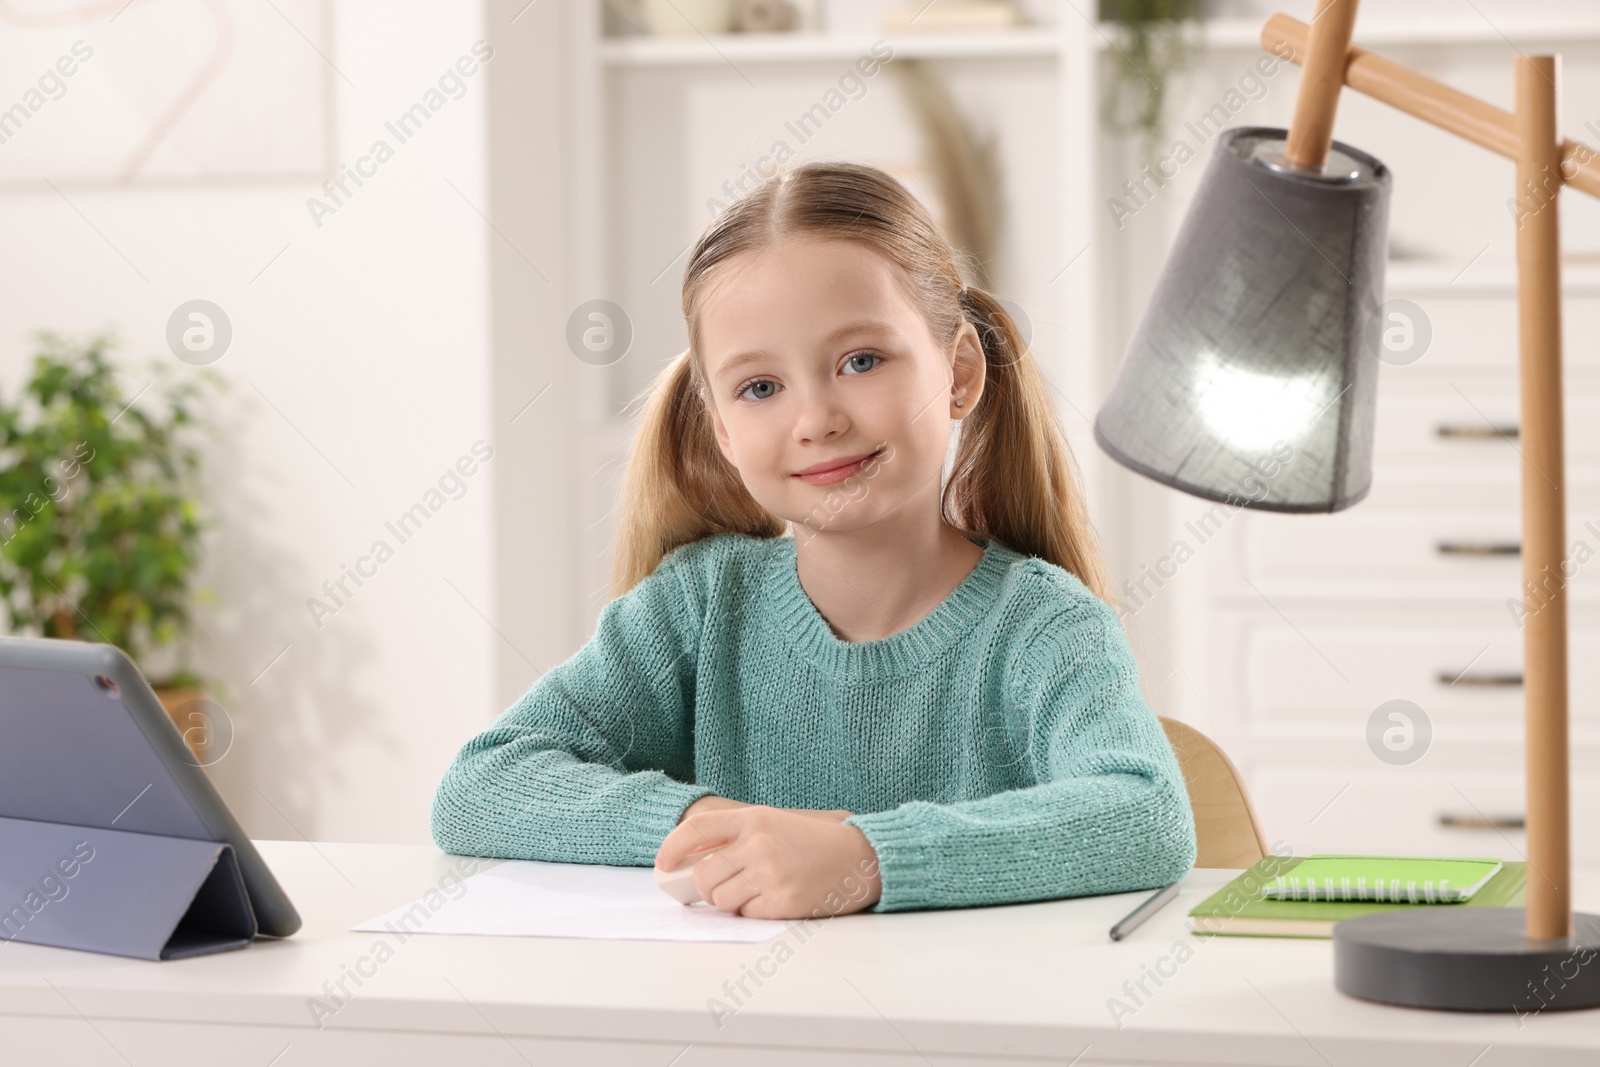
(100,518)
(1152,45)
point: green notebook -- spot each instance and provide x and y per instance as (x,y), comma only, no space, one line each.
(1240,908)
(1401,879)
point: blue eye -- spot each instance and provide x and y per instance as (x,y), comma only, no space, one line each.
(754,383)
(850,361)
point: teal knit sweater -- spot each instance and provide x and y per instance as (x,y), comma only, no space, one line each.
(997,751)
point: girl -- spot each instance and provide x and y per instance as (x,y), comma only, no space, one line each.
(922,698)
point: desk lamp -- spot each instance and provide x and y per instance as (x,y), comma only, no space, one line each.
(1255,364)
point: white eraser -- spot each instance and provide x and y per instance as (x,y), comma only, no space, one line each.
(679,883)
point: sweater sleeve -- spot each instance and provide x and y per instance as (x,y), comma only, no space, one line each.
(593,763)
(1109,813)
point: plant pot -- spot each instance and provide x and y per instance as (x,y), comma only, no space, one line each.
(192,723)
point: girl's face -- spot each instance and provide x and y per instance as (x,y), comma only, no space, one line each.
(829,395)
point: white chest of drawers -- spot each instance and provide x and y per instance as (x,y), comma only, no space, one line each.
(1290,632)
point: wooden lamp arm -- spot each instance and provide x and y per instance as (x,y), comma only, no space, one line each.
(1311,130)
(1431,101)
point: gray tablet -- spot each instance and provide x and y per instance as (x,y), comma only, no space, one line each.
(84,742)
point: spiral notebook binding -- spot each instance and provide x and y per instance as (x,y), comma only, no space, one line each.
(1393,891)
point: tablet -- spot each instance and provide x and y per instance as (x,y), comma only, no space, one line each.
(85,741)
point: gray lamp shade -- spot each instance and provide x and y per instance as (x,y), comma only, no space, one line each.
(1252,378)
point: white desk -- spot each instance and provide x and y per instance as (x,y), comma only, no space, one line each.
(1027,983)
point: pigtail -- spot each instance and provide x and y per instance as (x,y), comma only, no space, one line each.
(679,487)
(1014,477)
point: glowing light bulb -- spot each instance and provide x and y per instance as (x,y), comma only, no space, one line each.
(1253,411)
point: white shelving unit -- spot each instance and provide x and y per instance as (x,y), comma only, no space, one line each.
(1393,24)
(1384,27)
(805,47)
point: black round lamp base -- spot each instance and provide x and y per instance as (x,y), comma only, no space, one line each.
(1456,958)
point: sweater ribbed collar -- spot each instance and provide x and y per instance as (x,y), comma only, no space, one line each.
(798,619)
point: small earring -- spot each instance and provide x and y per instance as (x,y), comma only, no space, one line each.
(958,403)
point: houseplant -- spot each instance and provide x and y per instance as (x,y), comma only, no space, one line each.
(101,525)
(1151,42)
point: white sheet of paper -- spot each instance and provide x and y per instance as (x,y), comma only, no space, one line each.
(532,898)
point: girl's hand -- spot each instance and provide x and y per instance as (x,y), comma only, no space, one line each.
(776,863)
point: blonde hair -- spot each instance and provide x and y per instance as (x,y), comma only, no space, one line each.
(1013,478)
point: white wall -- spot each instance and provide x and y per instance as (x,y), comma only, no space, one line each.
(360,371)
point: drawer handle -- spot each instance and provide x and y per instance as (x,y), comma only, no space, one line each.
(1458,432)
(1506,678)
(1479,548)
(1475,821)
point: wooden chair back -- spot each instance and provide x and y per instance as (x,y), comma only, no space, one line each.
(1227,830)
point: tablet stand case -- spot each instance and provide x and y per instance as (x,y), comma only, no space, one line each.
(148,896)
